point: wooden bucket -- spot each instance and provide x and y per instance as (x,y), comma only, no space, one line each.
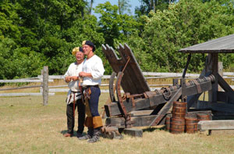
(191,124)
(168,122)
(203,116)
(179,109)
(177,125)
(179,104)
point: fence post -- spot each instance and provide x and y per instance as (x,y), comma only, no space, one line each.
(45,74)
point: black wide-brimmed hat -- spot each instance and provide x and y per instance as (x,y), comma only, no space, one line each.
(89,43)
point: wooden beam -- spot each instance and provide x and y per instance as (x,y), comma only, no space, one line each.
(113,108)
(192,99)
(138,121)
(227,97)
(155,99)
(133,132)
(216,107)
(24,94)
(22,80)
(133,80)
(23,87)
(224,84)
(223,107)
(141,112)
(220,72)
(216,125)
(166,108)
(214,69)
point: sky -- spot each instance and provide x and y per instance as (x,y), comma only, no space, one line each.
(133,4)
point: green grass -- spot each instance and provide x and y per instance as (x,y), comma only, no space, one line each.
(26,126)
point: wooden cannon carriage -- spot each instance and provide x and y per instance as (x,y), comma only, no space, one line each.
(139,106)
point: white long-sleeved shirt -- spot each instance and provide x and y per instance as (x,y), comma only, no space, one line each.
(94,66)
(73,70)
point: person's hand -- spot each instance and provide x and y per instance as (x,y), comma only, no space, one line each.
(82,74)
(74,78)
(68,79)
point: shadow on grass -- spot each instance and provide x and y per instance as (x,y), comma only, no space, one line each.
(151,129)
(74,133)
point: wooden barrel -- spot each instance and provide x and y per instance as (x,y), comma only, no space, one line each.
(168,122)
(179,109)
(179,104)
(177,125)
(191,124)
(203,116)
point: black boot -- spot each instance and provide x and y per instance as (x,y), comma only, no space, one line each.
(89,135)
(96,135)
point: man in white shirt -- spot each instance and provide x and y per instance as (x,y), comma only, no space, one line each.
(92,72)
(74,95)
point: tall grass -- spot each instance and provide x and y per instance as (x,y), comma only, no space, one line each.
(26,126)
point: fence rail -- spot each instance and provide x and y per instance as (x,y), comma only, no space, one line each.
(46,90)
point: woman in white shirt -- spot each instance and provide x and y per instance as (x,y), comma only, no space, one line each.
(74,94)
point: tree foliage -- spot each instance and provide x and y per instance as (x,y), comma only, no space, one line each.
(184,24)
(37,33)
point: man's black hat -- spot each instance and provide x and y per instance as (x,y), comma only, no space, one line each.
(81,49)
(89,43)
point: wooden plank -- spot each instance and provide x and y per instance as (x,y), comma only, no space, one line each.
(23,87)
(216,107)
(216,125)
(220,73)
(196,111)
(133,132)
(22,80)
(224,84)
(134,69)
(141,112)
(117,64)
(138,121)
(192,99)
(166,108)
(155,74)
(23,94)
(201,105)
(223,107)
(223,116)
(220,45)
(133,80)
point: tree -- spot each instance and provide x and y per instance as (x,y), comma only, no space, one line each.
(124,6)
(184,24)
(115,27)
(152,5)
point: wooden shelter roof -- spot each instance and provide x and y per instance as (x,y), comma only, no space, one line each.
(220,45)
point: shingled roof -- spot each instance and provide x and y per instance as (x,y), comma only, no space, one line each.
(220,45)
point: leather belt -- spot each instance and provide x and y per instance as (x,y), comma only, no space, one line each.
(97,86)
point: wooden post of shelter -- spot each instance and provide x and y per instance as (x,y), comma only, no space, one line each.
(214,70)
(45,74)
(220,71)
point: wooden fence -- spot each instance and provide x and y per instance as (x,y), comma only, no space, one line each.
(46,90)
